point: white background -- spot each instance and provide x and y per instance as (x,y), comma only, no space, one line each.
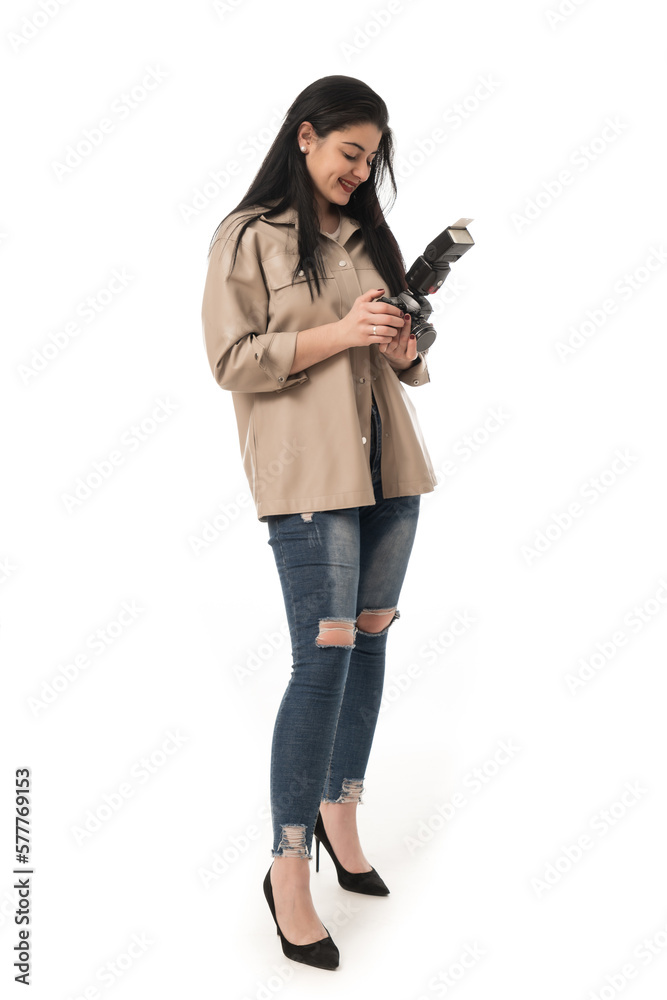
(205,653)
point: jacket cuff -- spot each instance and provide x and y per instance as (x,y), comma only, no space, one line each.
(274,354)
(417,373)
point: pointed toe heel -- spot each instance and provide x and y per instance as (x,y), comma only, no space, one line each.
(322,954)
(369,883)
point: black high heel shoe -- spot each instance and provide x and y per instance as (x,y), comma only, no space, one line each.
(323,954)
(366,882)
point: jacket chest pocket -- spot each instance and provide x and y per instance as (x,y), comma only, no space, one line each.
(279,271)
(290,304)
(369,278)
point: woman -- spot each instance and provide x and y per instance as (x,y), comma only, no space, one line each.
(334,456)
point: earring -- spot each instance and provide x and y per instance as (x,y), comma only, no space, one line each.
(303,149)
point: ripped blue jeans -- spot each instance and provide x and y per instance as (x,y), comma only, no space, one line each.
(335,567)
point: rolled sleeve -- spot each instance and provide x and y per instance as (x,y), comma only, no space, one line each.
(243,357)
(417,373)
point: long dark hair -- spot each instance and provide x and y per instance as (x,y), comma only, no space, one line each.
(333,103)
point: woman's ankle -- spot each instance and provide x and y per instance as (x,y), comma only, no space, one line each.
(343,813)
(295,870)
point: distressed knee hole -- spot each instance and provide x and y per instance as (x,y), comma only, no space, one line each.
(293,842)
(377,621)
(308,517)
(336,632)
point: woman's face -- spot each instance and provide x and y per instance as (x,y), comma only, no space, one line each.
(340,162)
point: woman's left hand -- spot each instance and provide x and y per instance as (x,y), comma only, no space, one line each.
(401,351)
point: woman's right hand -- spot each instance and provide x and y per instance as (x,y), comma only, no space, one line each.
(357,326)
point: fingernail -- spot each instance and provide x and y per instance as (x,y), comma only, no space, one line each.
(412,336)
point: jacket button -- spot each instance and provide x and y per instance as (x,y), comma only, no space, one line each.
(362,379)
(363,440)
(301,273)
(280,378)
(416,382)
(342,263)
(256,356)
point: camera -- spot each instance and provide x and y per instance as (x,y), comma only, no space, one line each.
(426,276)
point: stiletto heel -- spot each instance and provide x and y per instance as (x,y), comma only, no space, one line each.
(366,882)
(322,954)
(317,854)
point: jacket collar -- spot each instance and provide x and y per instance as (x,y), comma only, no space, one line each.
(290,217)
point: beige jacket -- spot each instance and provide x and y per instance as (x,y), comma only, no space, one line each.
(305,438)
